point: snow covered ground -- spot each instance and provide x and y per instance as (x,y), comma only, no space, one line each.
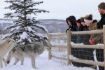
(43,63)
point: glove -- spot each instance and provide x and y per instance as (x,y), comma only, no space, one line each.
(92,41)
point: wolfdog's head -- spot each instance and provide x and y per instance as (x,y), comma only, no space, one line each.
(11,43)
(46,43)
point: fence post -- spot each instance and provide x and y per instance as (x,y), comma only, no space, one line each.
(68,46)
(49,52)
(104,43)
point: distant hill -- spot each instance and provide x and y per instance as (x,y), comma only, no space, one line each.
(53,25)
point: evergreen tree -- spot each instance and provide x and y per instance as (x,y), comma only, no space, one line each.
(24,30)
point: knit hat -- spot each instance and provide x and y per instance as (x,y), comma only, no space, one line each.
(101,5)
(88,17)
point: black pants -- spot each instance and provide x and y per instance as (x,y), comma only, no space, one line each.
(82,54)
(87,54)
(100,57)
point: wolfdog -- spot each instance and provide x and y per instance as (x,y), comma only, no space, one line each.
(31,50)
(6,46)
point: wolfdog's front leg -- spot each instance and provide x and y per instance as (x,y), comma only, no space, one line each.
(33,60)
(5,62)
(16,61)
(22,60)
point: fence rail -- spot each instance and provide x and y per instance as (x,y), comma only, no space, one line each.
(88,46)
(57,47)
(88,32)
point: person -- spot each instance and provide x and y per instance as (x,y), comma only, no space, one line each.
(93,26)
(79,52)
(101,9)
(71,22)
(87,21)
(79,28)
(99,37)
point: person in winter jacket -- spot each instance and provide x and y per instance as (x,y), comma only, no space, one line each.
(87,21)
(79,28)
(83,53)
(99,37)
(71,22)
(101,9)
(93,26)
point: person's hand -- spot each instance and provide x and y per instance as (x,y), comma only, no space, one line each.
(91,41)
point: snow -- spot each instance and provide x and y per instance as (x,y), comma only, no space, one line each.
(72,57)
(29,29)
(43,63)
(24,35)
(3,36)
(18,27)
(41,34)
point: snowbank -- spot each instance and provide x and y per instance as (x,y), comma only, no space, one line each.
(43,63)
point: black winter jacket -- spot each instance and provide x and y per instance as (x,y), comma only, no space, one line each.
(101,22)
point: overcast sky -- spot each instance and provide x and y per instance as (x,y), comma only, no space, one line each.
(60,9)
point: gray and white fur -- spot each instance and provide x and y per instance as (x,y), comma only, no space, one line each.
(31,50)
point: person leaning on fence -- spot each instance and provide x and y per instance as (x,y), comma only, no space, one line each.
(83,53)
(86,53)
(87,21)
(79,28)
(71,22)
(93,26)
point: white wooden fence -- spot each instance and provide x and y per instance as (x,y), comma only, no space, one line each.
(59,45)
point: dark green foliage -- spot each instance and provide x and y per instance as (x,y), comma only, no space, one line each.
(24,29)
